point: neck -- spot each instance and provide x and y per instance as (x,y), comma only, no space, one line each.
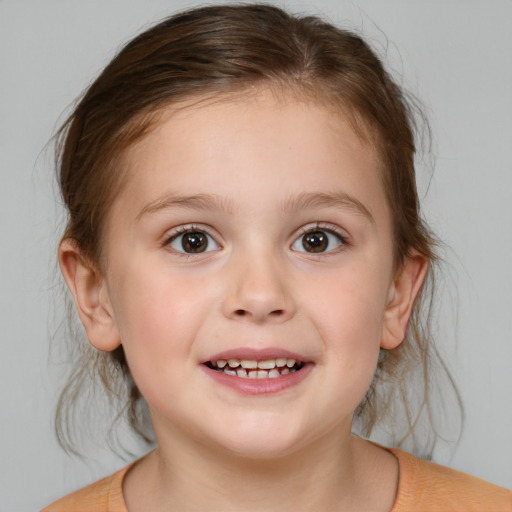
(333,473)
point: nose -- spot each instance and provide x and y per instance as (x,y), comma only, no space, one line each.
(258,290)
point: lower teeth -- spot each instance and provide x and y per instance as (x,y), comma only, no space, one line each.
(258,374)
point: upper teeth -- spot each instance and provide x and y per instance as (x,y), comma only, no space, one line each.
(252,369)
(250,364)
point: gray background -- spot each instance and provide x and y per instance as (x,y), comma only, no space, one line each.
(454,54)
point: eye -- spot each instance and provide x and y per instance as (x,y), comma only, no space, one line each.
(193,242)
(318,241)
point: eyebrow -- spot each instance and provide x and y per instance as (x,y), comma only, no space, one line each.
(327,200)
(303,201)
(196,201)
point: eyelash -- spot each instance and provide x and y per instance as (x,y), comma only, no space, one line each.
(323,228)
(183,230)
(311,228)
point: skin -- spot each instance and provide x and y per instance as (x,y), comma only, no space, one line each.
(256,286)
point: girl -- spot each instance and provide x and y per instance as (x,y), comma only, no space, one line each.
(245,251)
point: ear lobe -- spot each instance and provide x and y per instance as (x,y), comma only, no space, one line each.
(91,297)
(402,294)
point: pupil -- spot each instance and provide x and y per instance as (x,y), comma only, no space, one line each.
(315,241)
(194,242)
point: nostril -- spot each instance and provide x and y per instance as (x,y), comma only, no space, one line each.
(276,313)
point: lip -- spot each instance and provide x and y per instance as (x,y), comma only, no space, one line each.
(252,354)
(258,386)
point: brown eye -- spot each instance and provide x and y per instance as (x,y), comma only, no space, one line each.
(318,241)
(193,242)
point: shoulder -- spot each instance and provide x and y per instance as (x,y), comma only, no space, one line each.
(425,486)
(105,495)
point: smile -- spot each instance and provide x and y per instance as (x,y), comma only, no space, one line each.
(253,369)
(257,372)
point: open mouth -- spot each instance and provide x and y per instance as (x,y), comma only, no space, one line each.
(252,369)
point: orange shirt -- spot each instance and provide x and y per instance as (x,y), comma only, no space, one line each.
(422,487)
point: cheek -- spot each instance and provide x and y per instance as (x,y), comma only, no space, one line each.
(150,302)
(158,317)
(350,306)
(349,317)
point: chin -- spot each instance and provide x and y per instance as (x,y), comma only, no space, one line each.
(263,450)
(262,441)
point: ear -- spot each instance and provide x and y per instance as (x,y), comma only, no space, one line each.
(402,293)
(92,300)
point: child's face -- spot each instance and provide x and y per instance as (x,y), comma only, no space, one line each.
(285,210)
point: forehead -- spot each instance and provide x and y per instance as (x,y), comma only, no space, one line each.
(248,143)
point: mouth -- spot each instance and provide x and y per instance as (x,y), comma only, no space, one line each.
(256,369)
(258,372)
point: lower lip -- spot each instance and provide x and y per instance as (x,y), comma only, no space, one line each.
(259,386)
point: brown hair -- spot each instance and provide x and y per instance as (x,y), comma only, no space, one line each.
(225,50)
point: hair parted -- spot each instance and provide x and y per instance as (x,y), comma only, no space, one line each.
(229,49)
